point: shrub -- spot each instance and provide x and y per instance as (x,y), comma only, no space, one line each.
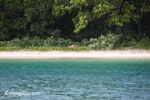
(50,41)
(69,42)
(55,33)
(128,40)
(36,41)
(26,42)
(108,41)
(94,43)
(85,42)
(2,43)
(61,42)
(143,43)
(14,42)
(105,41)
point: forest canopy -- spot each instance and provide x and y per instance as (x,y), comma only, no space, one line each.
(73,19)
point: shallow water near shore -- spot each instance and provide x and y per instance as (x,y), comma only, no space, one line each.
(75,79)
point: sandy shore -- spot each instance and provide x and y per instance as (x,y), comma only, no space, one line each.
(136,54)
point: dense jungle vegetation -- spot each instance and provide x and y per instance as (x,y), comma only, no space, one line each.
(91,24)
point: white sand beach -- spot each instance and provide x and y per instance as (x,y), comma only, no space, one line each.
(112,54)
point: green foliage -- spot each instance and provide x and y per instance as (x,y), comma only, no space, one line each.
(102,8)
(50,41)
(58,8)
(145,8)
(2,44)
(52,22)
(116,12)
(14,42)
(133,41)
(85,42)
(37,42)
(81,21)
(63,42)
(143,43)
(105,41)
(94,43)
(9,48)
(55,33)
(126,14)
(80,48)
(108,41)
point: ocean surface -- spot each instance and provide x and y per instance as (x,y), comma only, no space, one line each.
(75,79)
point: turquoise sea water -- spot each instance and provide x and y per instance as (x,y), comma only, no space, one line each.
(75,79)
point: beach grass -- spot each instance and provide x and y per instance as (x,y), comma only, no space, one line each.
(51,48)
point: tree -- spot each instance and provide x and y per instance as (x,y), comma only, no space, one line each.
(116,12)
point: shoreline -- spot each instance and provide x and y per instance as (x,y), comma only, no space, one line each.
(102,54)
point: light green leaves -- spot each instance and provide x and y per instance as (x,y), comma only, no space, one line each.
(58,10)
(115,12)
(81,21)
(107,41)
(145,8)
(102,8)
(78,3)
(124,15)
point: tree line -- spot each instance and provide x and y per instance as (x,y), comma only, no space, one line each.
(73,19)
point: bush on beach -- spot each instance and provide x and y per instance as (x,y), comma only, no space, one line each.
(107,41)
(104,41)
